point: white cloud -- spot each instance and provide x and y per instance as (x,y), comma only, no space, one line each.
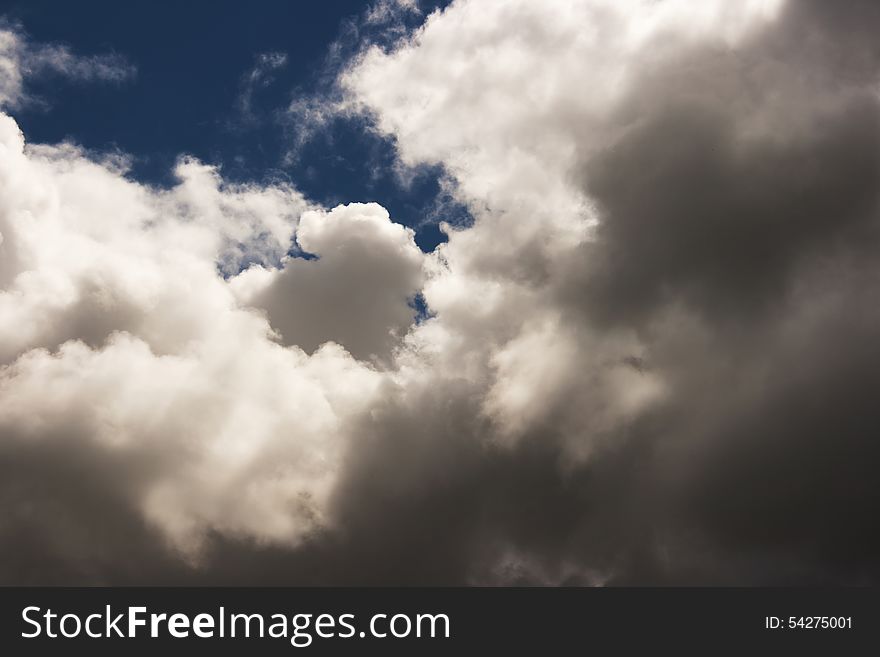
(119,334)
(20,59)
(383,12)
(504,93)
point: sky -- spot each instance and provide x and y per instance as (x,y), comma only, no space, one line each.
(480,292)
(214,80)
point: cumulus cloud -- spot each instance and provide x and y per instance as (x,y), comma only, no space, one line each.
(650,360)
(358,292)
(676,217)
(126,351)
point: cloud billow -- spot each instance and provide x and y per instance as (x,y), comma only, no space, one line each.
(650,360)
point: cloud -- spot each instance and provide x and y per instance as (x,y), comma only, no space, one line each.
(385,12)
(491,60)
(313,112)
(358,292)
(676,217)
(121,336)
(649,360)
(21,59)
(260,76)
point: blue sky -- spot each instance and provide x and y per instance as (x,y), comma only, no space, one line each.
(193,60)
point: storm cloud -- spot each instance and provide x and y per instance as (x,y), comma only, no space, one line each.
(652,359)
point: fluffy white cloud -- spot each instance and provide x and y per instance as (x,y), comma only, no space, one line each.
(512,98)
(505,94)
(120,335)
(86,251)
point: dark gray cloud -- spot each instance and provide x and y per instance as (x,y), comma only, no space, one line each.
(738,236)
(70,515)
(694,213)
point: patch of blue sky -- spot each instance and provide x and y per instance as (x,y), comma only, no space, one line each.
(196,93)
